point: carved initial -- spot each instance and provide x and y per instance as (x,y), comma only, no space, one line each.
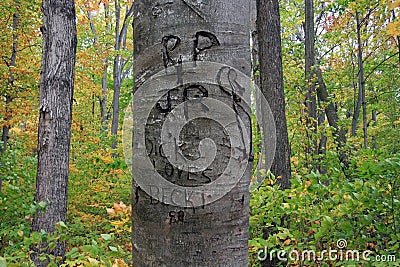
(203,40)
(170,43)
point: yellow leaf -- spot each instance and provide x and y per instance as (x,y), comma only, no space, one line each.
(93,262)
(393,28)
(117,208)
(287,242)
(118,223)
(394,4)
(110,211)
(119,263)
(122,205)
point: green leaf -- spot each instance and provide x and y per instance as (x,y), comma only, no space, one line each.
(42,204)
(87,248)
(106,236)
(61,224)
(357,196)
(326,223)
(74,253)
(113,248)
(52,245)
(36,237)
(3,262)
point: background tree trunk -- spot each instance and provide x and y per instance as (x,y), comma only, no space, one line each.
(11,78)
(360,103)
(121,29)
(11,64)
(361,81)
(271,83)
(56,94)
(311,98)
(215,234)
(104,112)
(333,120)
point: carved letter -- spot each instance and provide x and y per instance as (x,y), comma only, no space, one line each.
(203,41)
(170,43)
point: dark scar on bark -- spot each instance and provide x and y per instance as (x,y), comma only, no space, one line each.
(137,194)
(172,217)
(181,215)
(194,9)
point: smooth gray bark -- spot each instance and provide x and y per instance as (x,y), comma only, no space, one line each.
(215,234)
(56,94)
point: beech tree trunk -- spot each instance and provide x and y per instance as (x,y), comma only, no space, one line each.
(56,94)
(169,33)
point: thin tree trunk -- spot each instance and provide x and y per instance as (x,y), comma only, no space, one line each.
(103,99)
(315,118)
(116,94)
(397,37)
(215,234)
(11,79)
(375,123)
(271,85)
(120,35)
(271,82)
(56,94)
(361,81)
(105,114)
(6,127)
(311,99)
(321,149)
(93,29)
(116,75)
(361,84)
(333,119)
